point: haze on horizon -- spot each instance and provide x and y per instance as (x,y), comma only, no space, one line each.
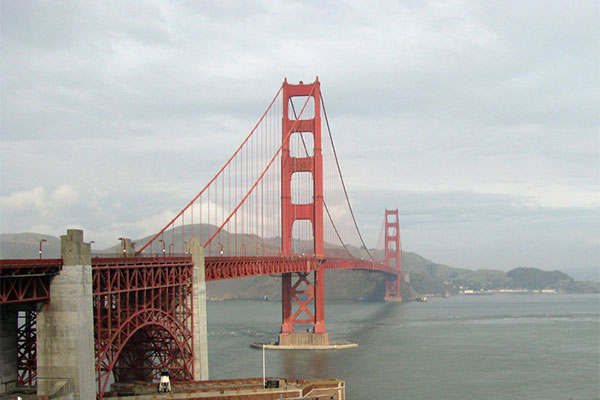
(478,120)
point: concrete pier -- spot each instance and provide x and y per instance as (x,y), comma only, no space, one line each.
(65,330)
(304,339)
(199,303)
(8,349)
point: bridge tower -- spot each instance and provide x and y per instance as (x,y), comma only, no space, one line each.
(302,291)
(393,255)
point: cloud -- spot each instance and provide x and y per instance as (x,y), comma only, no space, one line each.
(64,196)
(482,230)
(20,201)
(471,119)
(38,199)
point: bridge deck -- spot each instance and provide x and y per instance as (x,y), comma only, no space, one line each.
(218,268)
(27,280)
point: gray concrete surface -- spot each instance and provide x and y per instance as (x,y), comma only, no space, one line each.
(199,300)
(126,248)
(65,331)
(8,349)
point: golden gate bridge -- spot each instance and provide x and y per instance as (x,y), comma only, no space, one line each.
(278,206)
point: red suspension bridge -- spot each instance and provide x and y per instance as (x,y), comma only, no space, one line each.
(278,206)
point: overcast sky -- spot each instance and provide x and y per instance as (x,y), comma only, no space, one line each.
(479,120)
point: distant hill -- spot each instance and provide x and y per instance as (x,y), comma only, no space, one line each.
(27,245)
(533,278)
(536,279)
(425,276)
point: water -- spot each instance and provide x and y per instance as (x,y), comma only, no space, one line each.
(469,347)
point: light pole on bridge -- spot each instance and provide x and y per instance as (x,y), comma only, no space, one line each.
(42,241)
(124,245)
(164,251)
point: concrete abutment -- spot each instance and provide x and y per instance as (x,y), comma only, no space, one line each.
(65,328)
(8,349)
(199,310)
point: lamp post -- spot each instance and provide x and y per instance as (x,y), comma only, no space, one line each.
(41,241)
(171,249)
(163,247)
(263,365)
(124,246)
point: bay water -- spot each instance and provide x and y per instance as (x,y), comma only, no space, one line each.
(467,347)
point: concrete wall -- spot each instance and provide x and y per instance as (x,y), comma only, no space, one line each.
(199,304)
(65,331)
(304,339)
(8,349)
(126,248)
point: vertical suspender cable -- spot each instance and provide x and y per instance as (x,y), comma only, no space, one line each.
(342,179)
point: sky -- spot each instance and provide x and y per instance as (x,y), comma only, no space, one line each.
(478,120)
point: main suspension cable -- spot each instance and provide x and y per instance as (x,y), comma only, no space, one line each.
(342,178)
(380,235)
(324,203)
(207,187)
(261,175)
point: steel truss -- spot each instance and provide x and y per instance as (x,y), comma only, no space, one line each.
(143,318)
(26,348)
(218,268)
(302,294)
(392,288)
(27,280)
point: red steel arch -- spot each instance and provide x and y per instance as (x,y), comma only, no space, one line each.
(178,362)
(142,296)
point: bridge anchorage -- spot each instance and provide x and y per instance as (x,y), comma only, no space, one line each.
(71,325)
